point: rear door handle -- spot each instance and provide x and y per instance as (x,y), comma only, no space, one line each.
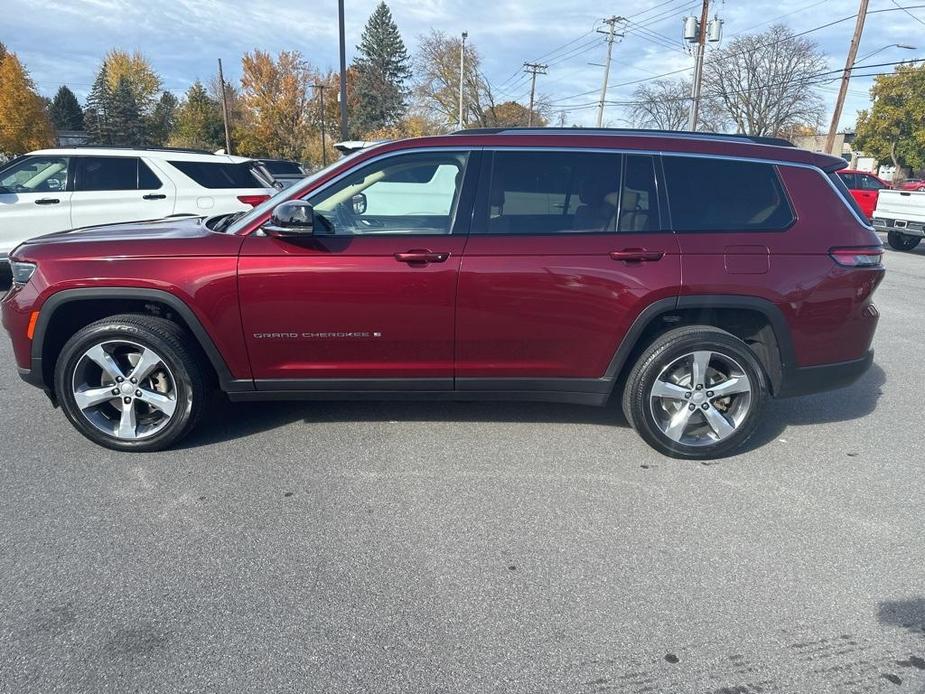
(421,257)
(47,201)
(637,255)
(153,196)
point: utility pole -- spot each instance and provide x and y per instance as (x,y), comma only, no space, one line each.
(221,80)
(846,76)
(324,149)
(534,69)
(462,78)
(698,67)
(611,36)
(344,132)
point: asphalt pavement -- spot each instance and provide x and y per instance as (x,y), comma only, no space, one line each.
(472,547)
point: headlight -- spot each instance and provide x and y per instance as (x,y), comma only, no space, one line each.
(22,272)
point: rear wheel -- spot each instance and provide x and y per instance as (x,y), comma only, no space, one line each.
(130,383)
(902,242)
(695,393)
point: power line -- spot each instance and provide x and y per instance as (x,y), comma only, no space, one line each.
(906,10)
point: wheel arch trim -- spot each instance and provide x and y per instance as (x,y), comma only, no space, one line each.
(51,305)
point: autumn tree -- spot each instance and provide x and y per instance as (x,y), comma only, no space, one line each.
(894,127)
(436,69)
(511,114)
(143,81)
(198,121)
(276,96)
(764,82)
(161,122)
(382,68)
(24,123)
(65,111)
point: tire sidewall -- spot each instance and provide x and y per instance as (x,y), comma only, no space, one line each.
(901,242)
(666,350)
(71,354)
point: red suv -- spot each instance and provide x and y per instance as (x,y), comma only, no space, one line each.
(691,276)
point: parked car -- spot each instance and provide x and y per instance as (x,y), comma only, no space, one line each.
(913,184)
(58,189)
(864,187)
(285,172)
(901,214)
(692,276)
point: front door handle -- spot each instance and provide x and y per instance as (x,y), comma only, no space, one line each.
(47,201)
(421,257)
(153,196)
(637,255)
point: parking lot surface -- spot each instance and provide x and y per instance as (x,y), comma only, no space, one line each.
(405,547)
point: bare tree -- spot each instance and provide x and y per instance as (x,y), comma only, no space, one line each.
(437,81)
(764,82)
(664,105)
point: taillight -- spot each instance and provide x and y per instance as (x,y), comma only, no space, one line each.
(867,256)
(253,200)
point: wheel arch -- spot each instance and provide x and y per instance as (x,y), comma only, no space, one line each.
(757,321)
(102,301)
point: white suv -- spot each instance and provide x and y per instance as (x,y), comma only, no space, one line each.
(58,189)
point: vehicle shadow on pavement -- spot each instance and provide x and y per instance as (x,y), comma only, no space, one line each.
(228,421)
(845,404)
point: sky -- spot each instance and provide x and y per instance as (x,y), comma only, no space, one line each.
(64,42)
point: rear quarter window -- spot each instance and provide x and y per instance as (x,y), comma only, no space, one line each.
(706,194)
(218,175)
(845,194)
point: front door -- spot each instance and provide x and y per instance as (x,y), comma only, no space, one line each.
(34,200)
(566,248)
(369,299)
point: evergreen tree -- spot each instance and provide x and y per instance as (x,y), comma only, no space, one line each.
(124,119)
(382,68)
(65,110)
(162,120)
(96,111)
(199,121)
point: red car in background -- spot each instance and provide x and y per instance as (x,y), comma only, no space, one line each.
(865,188)
(913,184)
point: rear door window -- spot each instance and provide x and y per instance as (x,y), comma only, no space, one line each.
(867,182)
(849,179)
(706,194)
(218,175)
(106,173)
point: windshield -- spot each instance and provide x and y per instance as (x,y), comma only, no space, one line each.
(283,195)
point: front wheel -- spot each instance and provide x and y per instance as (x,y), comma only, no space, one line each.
(695,393)
(902,242)
(130,383)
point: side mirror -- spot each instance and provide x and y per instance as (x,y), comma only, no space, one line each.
(292,218)
(359,203)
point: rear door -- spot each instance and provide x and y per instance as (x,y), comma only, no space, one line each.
(566,248)
(34,199)
(217,187)
(111,190)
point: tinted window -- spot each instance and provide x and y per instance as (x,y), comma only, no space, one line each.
(849,179)
(218,175)
(408,194)
(107,173)
(639,203)
(870,182)
(724,195)
(147,180)
(283,167)
(34,175)
(552,192)
(845,194)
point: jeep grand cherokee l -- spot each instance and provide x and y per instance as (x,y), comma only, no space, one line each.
(690,276)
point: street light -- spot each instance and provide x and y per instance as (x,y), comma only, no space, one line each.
(879,50)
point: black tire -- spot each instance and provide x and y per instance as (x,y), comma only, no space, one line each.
(666,350)
(902,242)
(178,354)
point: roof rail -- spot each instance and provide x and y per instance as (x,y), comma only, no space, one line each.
(188,150)
(776,141)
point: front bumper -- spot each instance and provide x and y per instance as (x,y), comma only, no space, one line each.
(817,379)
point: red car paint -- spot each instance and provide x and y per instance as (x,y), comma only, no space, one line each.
(865,189)
(496,307)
